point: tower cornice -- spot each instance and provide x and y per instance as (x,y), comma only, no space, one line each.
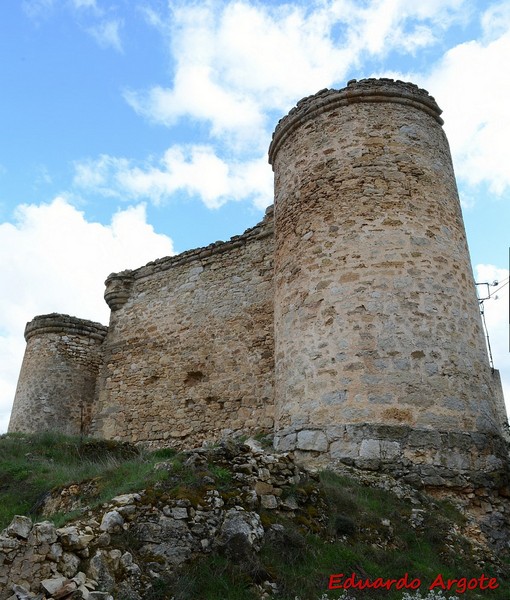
(365,90)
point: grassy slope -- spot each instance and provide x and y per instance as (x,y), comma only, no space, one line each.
(32,465)
(347,528)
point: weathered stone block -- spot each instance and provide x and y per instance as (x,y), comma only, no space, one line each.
(239,522)
(420,438)
(261,487)
(56,584)
(111,521)
(98,571)
(19,527)
(125,499)
(44,532)
(286,443)
(312,440)
(22,593)
(343,449)
(268,501)
(73,539)
(69,564)
(370,449)
(179,513)
(8,544)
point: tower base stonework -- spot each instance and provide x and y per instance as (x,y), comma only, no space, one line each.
(432,458)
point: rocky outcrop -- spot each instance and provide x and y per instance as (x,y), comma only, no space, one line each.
(217,499)
(122,548)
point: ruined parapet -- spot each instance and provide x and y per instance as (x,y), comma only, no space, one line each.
(118,288)
(57,381)
(379,350)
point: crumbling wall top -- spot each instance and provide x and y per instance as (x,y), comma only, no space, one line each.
(259,231)
(64,324)
(365,90)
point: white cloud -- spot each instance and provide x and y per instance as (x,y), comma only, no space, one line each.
(43,176)
(107,34)
(232,67)
(469,84)
(79,4)
(496,316)
(192,169)
(53,260)
(496,20)
(236,61)
(152,17)
(36,8)
(97,174)
(89,16)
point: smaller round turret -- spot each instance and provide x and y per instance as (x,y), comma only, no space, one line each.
(57,382)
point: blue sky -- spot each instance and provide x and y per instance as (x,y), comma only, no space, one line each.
(135,129)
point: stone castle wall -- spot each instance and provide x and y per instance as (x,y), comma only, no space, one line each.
(189,352)
(57,382)
(348,320)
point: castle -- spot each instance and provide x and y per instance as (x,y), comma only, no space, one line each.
(346,322)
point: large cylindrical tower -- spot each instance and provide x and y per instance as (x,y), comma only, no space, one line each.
(57,381)
(380,354)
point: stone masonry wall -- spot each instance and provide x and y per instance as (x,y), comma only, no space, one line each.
(57,383)
(189,352)
(377,325)
(348,320)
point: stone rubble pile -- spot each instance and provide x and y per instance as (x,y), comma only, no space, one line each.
(120,549)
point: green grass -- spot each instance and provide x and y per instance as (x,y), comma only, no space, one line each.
(301,558)
(368,548)
(337,529)
(214,578)
(31,466)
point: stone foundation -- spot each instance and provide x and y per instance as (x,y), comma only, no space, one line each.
(435,457)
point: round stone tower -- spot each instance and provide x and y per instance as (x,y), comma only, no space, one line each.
(57,381)
(380,355)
